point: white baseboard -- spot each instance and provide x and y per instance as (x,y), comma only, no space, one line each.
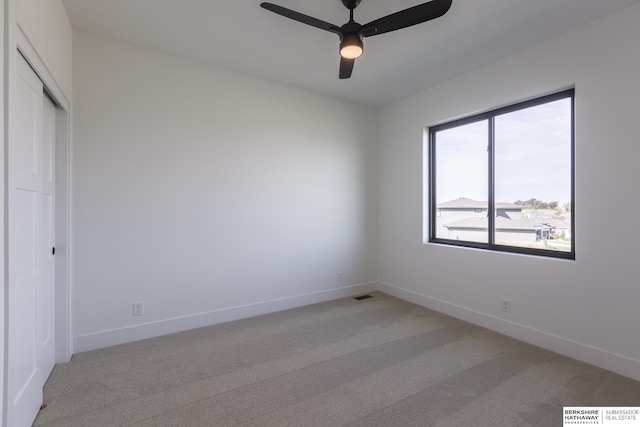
(604,359)
(601,358)
(102,339)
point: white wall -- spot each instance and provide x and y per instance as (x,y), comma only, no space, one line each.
(210,195)
(3,345)
(590,308)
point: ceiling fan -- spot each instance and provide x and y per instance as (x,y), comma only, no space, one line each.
(352,33)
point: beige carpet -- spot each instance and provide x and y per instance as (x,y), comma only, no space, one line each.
(376,362)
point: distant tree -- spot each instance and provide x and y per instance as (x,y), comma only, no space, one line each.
(567,206)
(534,203)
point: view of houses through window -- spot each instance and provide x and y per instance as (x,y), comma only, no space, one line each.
(516,162)
(523,224)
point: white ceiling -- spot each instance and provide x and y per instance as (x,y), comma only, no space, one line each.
(239,35)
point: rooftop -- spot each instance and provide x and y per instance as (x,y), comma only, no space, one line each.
(464,203)
(501,224)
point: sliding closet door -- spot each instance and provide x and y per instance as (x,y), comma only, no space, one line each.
(30,326)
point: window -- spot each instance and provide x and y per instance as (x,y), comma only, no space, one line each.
(504,180)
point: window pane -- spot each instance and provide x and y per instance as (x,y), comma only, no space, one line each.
(461,171)
(533,177)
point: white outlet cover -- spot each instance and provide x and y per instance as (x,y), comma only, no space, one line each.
(138,308)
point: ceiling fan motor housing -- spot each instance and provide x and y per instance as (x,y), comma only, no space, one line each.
(349,28)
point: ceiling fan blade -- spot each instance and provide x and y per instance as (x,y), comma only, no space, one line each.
(406,18)
(297,16)
(346,67)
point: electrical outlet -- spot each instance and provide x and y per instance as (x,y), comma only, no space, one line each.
(339,277)
(506,306)
(138,308)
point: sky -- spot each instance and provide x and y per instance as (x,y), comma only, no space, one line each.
(532,156)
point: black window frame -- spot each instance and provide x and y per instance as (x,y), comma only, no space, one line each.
(490,116)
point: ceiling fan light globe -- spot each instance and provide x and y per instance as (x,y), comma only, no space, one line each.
(351,52)
(351,46)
